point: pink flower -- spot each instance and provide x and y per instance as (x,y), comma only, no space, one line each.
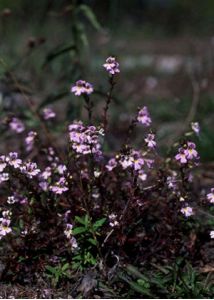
(13,160)
(68,230)
(138,163)
(85,139)
(195,127)
(5,224)
(11,200)
(187,153)
(142,175)
(190,151)
(111,65)
(149,162)
(44,185)
(212,234)
(16,125)
(48,113)
(112,163)
(3,163)
(61,169)
(29,140)
(181,156)
(4,177)
(126,161)
(82,87)
(150,140)
(113,220)
(187,211)
(60,186)
(46,174)
(69,235)
(210,196)
(144,117)
(171,182)
(30,169)
(73,243)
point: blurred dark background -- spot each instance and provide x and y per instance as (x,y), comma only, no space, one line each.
(165,48)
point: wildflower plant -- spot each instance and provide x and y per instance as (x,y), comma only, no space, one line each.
(88,205)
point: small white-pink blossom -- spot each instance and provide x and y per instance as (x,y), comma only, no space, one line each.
(187,211)
(210,196)
(212,234)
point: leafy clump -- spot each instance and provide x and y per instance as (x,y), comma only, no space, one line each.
(99,210)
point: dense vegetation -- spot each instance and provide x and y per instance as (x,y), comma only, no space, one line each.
(90,204)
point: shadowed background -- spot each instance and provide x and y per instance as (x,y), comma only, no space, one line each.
(165,49)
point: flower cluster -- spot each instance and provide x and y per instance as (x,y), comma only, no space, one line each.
(144,117)
(111,65)
(60,186)
(49,190)
(16,125)
(5,221)
(48,113)
(113,220)
(85,139)
(195,127)
(172,182)
(112,163)
(187,153)
(187,211)
(28,168)
(150,141)
(69,235)
(210,196)
(16,198)
(30,140)
(82,87)
(135,160)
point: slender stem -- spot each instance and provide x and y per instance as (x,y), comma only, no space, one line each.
(107,104)
(89,107)
(129,133)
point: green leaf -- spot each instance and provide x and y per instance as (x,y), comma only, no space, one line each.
(21,223)
(80,220)
(65,266)
(138,288)
(135,272)
(92,241)
(86,220)
(143,283)
(78,230)
(52,270)
(99,223)
(87,11)
(77,257)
